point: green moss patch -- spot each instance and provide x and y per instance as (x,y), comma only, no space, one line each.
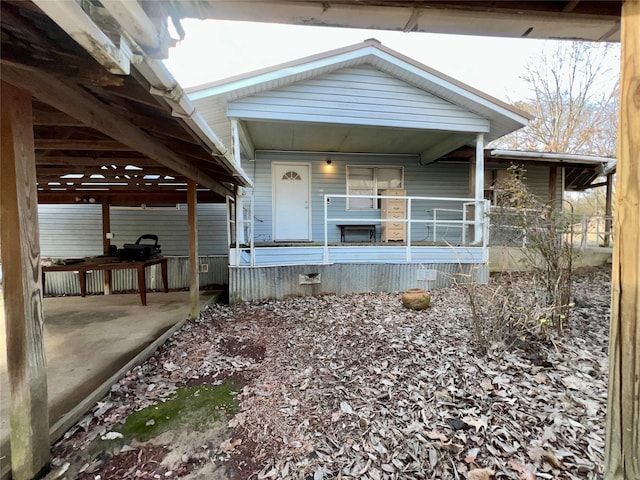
(189,408)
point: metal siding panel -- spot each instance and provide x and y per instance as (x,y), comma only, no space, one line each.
(171,226)
(212,229)
(70,231)
(74,231)
(253,284)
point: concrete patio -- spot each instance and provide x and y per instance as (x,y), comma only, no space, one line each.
(88,341)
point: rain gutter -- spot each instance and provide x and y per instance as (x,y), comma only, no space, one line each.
(164,85)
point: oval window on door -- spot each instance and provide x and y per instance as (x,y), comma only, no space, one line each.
(291,175)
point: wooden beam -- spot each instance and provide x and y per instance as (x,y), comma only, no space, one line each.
(127,198)
(64,160)
(88,170)
(29,410)
(570,6)
(622,461)
(71,144)
(74,101)
(194,267)
(54,119)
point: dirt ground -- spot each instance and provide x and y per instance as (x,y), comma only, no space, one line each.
(360,387)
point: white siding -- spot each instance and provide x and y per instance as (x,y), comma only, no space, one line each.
(76,230)
(358,96)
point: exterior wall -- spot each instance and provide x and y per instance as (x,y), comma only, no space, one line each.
(68,231)
(433,180)
(357,96)
(537,180)
(251,284)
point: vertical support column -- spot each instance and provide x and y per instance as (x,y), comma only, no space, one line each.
(240,220)
(29,411)
(194,267)
(608,211)
(553,187)
(106,242)
(623,408)
(235,140)
(470,212)
(479,189)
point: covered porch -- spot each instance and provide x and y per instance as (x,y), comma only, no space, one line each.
(431,230)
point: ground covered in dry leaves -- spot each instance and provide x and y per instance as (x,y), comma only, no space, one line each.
(360,387)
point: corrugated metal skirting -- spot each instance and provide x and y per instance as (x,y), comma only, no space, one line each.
(66,283)
(258,283)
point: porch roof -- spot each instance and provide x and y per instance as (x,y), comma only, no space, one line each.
(310,135)
(580,171)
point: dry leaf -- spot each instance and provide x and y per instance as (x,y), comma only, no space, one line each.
(480,474)
(524,474)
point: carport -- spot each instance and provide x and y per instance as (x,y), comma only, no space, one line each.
(89,115)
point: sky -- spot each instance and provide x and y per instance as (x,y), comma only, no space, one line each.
(214,50)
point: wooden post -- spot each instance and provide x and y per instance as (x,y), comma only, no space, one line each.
(622,460)
(553,189)
(29,412)
(608,211)
(194,267)
(479,189)
(106,243)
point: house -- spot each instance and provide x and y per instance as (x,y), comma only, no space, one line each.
(370,172)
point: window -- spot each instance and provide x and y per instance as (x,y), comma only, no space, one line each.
(371,181)
(291,176)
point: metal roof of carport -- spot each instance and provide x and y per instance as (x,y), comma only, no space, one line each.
(125,137)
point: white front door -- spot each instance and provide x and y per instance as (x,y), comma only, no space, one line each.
(291,201)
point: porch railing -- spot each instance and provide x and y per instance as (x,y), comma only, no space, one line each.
(593,231)
(471,214)
(445,221)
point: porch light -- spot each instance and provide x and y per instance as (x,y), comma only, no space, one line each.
(328,161)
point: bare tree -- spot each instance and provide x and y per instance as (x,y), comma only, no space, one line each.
(574,98)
